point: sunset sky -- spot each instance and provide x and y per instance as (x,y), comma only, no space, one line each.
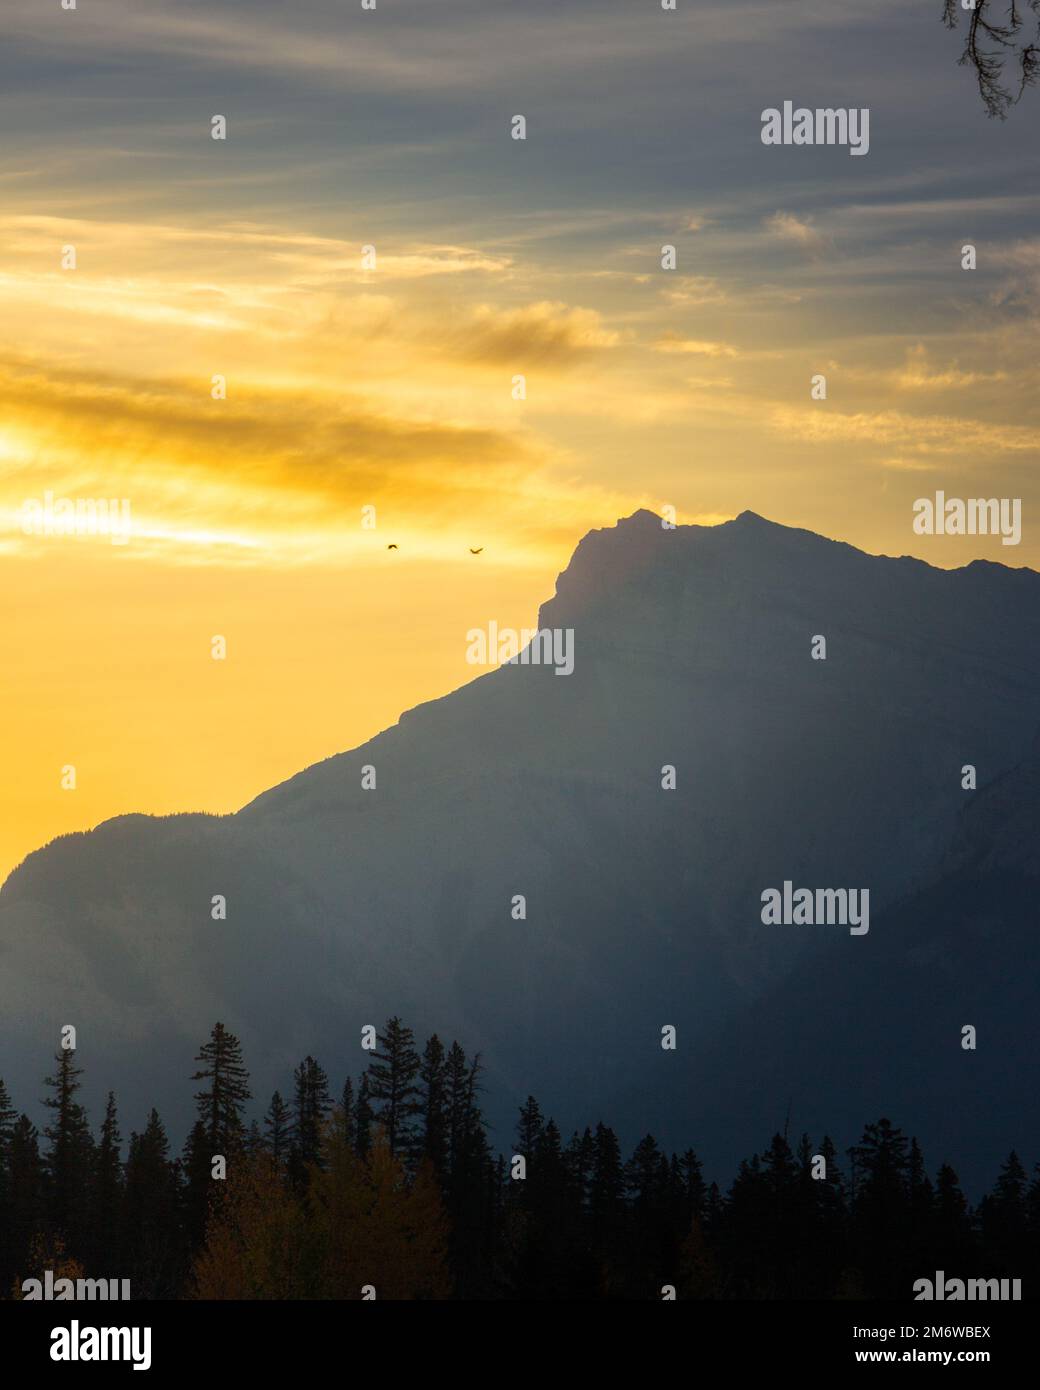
(391,387)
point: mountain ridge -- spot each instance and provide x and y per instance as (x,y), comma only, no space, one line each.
(650,523)
(693,649)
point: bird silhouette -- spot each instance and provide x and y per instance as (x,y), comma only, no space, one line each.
(475,552)
(391,547)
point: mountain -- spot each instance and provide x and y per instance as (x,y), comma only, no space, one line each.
(693,649)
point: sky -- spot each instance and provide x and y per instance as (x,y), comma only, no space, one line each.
(351,385)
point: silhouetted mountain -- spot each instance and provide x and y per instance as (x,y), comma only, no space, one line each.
(693,649)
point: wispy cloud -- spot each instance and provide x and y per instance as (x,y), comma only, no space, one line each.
(946,434)
(698,347)
(797,231)
(919,375)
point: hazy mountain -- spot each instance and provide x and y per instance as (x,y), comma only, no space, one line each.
(692,648)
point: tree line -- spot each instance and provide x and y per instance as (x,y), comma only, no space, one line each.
(391,1189)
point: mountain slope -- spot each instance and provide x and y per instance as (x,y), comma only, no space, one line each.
(692,649)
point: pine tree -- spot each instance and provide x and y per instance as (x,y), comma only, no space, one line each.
(780,1169)
(881,1207)
(919,1187)
(470,1193)
(392,1075)
(834,1180)
(1010,1189)
(921,1204)
(69,1155)
(457,1110)
(555,1268)
(606,1210)
(529,1130)
(830,1223)
(549,1165)
(433,1106)
(221,1104)
(713,1211)
(952,1232)
(196,1171)
(783,1191)
(578,1159)
(1032,1231)
(8,1119)
(568,1232)
(25,1193)
(150,1233)
(363,1118)
(311,1104)
(1003,1217)
(693,1192)
(1033,1207)
(347,1114)
(747,1236)
(278,1123)
(106,1190)
(608,1181)
(645,1177)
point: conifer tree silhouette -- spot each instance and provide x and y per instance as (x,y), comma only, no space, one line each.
(106,1188)
(221,1103)
(433,1073)
(69,1154)
(278,1123)
(311,1105)
(392,1083)
(24,1214)
(150,1224)
(584,1223)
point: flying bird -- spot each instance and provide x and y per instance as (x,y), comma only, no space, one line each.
(475,552)
(391,547)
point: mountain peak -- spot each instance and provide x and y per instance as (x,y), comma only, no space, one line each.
(609,556)
(642,516)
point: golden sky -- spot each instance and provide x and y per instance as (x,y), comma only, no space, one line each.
(350,386)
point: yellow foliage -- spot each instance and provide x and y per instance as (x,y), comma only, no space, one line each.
(375,1228)
(362,1223)
(254,1247)
(48,1252)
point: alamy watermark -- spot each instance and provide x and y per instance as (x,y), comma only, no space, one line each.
(81,1343)
(79,516)
(63,1290)
(543,646)
(820,126)
(974,516)
(844,907)
(940,1289)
